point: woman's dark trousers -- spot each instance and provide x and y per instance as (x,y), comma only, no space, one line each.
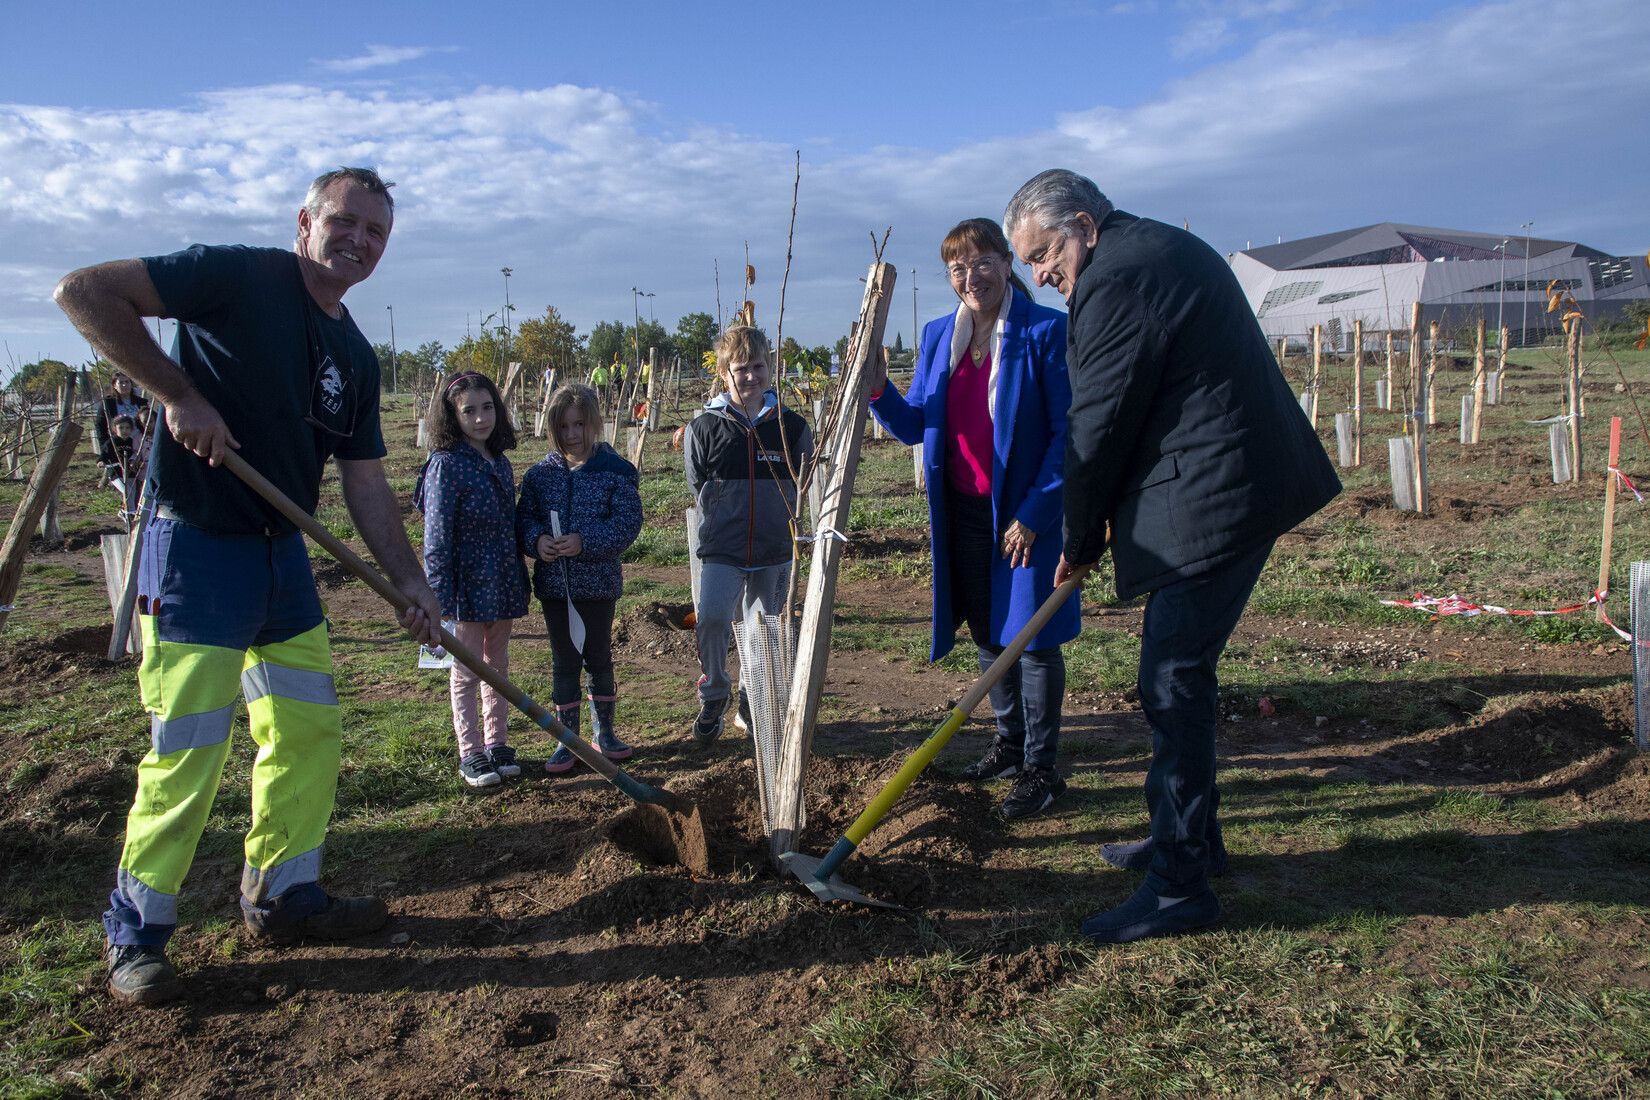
(1028,698)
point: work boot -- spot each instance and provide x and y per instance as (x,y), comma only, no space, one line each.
(1034,791)
(708,726)
(601,727)
(999,762)
(308,910)
(563,760)
(140,974)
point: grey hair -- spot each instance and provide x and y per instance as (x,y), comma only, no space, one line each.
(1055,198)
(363,177)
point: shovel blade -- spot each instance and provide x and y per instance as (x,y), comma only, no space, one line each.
(575,626)
(832,889)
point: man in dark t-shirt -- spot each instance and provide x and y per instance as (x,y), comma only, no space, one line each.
(267,361)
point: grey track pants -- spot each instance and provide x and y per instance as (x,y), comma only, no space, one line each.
(726,593)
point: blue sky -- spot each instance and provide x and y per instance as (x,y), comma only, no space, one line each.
(592,148)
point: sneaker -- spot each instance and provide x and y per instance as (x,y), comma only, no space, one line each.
(309,910)
(998,763)
(742,719)
(478,771)
(1034,791)
(140,974)
(503,759)
(708,726)
(562,760)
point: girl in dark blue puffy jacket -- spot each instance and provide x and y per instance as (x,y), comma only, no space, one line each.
(578,513)
(467,493)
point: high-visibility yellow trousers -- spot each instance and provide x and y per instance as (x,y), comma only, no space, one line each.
(203,591)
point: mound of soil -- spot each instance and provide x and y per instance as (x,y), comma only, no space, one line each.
(40,667)
(1540,734)
(656,630)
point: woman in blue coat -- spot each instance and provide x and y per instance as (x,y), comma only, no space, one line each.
(988,403)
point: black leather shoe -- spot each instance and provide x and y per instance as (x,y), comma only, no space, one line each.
(141,974)
(1140,917)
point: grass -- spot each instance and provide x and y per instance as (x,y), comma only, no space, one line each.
(1382,938)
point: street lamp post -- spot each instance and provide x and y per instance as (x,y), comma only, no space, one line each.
(1524,325)
(507,273)
(1501,302)
(913,318)
(395,386)
(636,325)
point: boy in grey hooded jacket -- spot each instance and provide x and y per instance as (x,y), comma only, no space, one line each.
(746,497)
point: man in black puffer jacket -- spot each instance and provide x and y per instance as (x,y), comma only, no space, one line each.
(1185,439)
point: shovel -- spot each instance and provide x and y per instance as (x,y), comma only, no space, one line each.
(575,624)
(670,823)
(819,875)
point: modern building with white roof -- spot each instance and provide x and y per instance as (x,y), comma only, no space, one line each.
(1377,272)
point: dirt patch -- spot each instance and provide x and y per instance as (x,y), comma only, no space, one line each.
(657,630)
(41,666)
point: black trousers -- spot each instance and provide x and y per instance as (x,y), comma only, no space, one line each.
(1028,699)
(566,662)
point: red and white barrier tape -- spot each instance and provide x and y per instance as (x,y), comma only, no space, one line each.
(1441,606)
(1626,482)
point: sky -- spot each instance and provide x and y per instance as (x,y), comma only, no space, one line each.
(601,149)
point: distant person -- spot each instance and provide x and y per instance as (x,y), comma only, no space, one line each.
(120,454)
(123,400)
(736,462)
(467,492)
(988,403)
(593,495)
(269,362)
(1185,439)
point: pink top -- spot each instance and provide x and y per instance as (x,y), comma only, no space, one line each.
(968,427)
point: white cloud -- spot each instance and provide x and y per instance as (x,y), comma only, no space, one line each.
(570,187)
(378,57)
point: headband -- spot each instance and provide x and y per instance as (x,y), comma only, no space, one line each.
(448,392)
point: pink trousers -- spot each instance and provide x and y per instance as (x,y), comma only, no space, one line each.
(492,641)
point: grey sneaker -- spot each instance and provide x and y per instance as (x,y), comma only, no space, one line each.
(140,974)
(1034,791)
(503,759)
(478,771)
(708,726)
(742,719)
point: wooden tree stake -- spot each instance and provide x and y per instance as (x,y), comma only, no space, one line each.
(813,646)
(1609,514)
(1317,368)
(1575,397)
(1357,393)
(47,473)
(1478,383)
(1432,373)
(1419,387)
